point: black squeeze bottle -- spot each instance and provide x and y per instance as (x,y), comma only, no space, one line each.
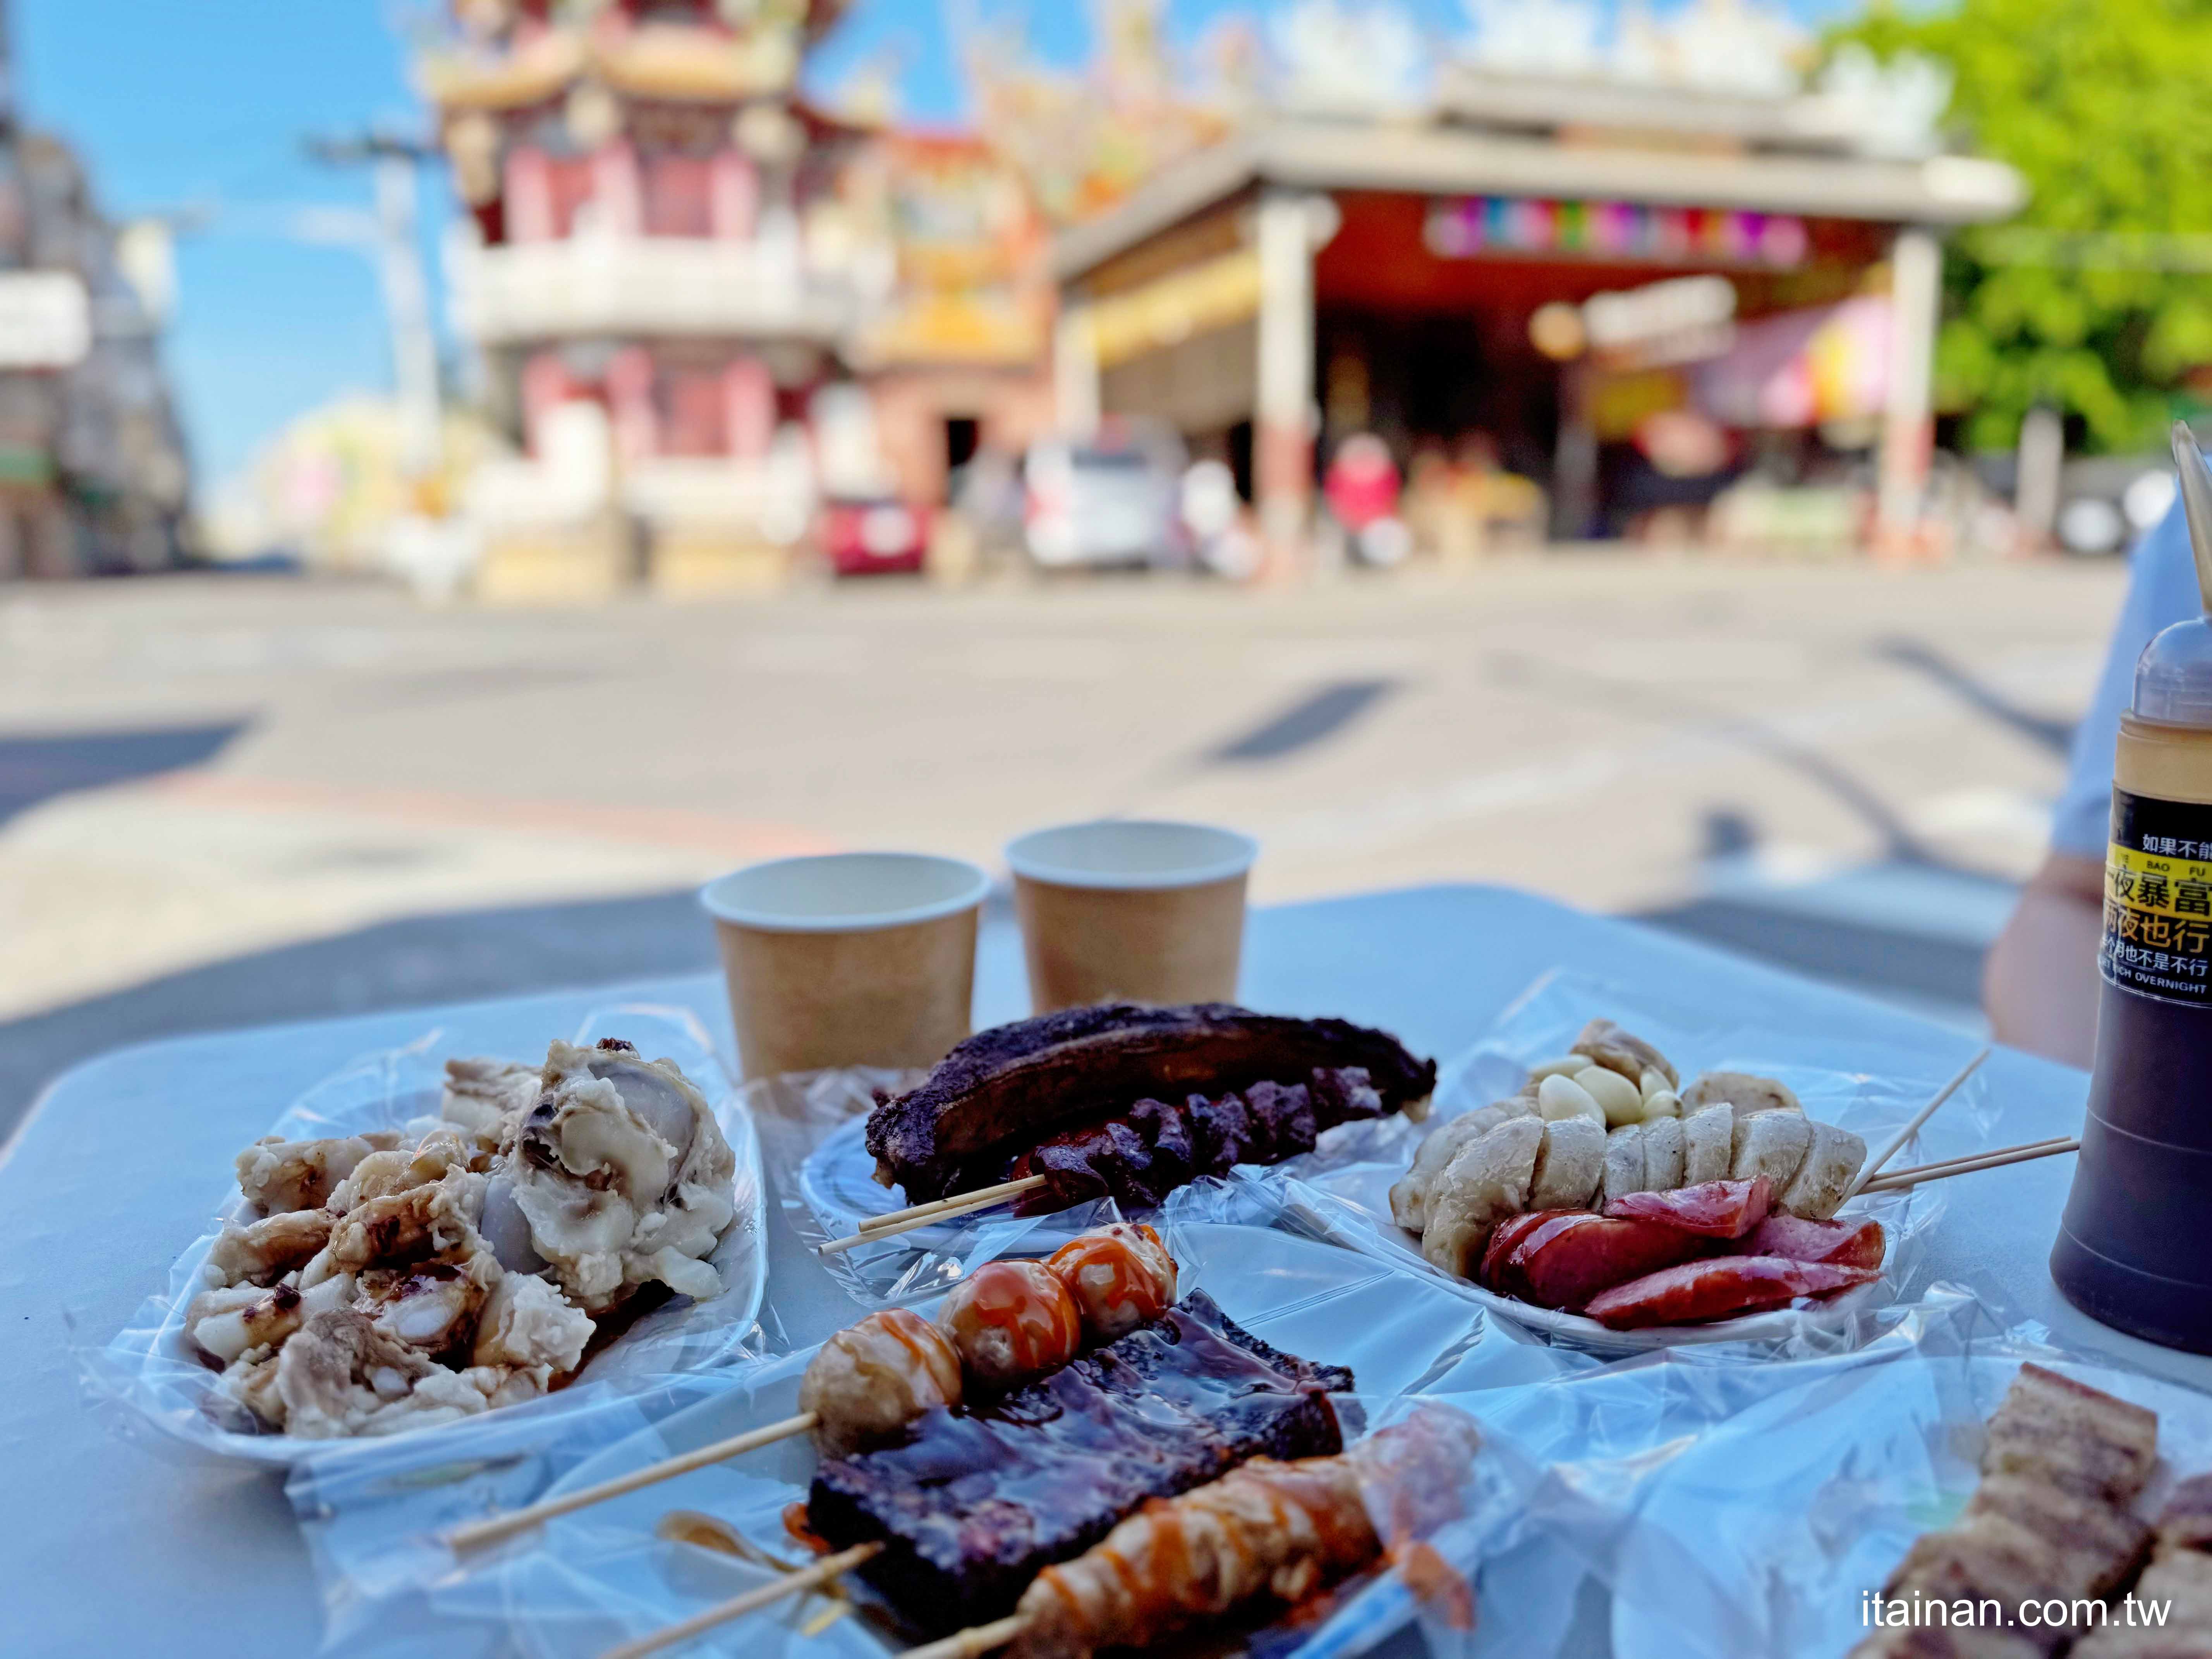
(2135,1248)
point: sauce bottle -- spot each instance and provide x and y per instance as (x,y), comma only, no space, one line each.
(2135,1247)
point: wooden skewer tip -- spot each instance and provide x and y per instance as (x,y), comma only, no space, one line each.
(981,1200)
(975,1640)
(938,1206)
(1998,1160)
(492,1528)
(737,1607)
(1873,1166)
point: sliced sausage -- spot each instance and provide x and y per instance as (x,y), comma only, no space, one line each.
(1662,1153)
(1624,1161)
(1409,1195)
(1569,1165)
(1744,1092)
(1502,1241)
(1708,1145)
(1817,1190)
(1565,1263)
(1487,1182)
(1719,1288)
(1771,1144)
(1846,1243)
(1716,1209)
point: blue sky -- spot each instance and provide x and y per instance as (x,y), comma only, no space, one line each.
(181,103)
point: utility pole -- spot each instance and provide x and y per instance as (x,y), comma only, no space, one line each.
(406,288)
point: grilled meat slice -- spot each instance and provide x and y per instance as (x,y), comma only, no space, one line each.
(2050,1522)
(1003,1090)
(978,1498)
(2179,1576)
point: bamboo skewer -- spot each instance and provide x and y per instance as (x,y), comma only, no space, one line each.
(1873,1165)
(492,1528)
(805,1578)
(975,1640)
(957,1201)
(981,1200)
(1936,1166)
(1957,1166)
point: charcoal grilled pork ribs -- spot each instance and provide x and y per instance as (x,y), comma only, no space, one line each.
(1006,1091)
(980,1498)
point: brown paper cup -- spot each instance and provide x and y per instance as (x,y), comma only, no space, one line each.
(1129,908)
(847,959)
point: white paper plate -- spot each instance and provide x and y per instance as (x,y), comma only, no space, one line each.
(599,1576)
(1762,1536)
(153,1367)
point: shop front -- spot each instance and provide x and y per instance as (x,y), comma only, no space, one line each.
(1564,333)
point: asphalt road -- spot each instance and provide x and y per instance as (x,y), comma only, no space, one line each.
(227,801)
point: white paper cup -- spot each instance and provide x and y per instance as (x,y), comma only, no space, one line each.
(848,958)
(1138,909)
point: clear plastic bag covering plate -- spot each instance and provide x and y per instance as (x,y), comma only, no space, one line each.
(1741,1508)
(1854,1085)
(622,1568)
(151,1376)
(811,1125)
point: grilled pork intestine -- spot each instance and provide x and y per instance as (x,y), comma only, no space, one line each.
(431,1305)
(342,1374)
(528,1326)
(485,1099)
(622,1174)
(382,1174)
(415,1289)
(1556,1146)
(227,1323)
(1267,1529)
(261,1252)
(281,1174)
(434,1222)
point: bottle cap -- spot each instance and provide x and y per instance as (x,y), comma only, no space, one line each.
(2173,676)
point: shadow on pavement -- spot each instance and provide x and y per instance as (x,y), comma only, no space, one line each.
(1313,719)
(1908,927)
(452,957)
(1888,962)
(2055,735)
(33,769)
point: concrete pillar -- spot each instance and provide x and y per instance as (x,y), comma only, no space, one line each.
(1574,461)
(1282,425)
(1916,297)
(1076,401)
(2036,484)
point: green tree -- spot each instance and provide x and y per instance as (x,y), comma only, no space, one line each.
(2086,300)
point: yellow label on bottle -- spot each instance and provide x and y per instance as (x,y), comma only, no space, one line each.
(2158,899)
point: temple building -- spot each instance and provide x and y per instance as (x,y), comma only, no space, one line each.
(704,307)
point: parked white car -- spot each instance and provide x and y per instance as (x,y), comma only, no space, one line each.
(1109,500)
